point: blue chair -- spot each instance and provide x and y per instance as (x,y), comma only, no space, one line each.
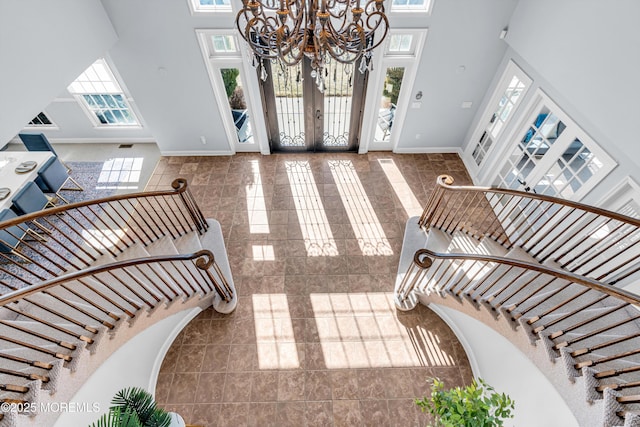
(53,176)
(9,237)
(38,142)
(30,198)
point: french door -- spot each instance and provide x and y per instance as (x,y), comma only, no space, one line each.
(553,156)
(300,117)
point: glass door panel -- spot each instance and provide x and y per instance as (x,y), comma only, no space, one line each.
(543,131)
(553,157)
(237,103)
(289,103)
(507,104)
(337,105)
(570,171)
(302,118)
(388,102)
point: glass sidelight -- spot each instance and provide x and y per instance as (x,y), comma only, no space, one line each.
(237,103)
(388,103)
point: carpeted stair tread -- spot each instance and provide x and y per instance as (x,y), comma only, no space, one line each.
(188,243)
(99,285)
(163,246)
(38,328)
(462,243)
(32,354)
(43,306)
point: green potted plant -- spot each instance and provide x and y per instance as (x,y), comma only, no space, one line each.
(134,407)
(476,405)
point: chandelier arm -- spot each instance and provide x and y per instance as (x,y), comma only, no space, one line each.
(322,30)
(372,28)
(352,54)
(259,44)
(287,56)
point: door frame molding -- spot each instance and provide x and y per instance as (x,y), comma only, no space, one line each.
(478,172)
(238,60)
(382,60)
(539,99)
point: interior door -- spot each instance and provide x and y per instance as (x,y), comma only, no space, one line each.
(553,156)
(300,117)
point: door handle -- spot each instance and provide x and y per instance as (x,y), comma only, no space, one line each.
(318,114)
(524,184)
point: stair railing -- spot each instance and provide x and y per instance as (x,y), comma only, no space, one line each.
(79,307)
(590,241)
(596,324)
(66,238)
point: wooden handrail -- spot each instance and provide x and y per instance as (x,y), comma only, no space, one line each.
(179,186)
(621,294)
(588,240)
(581,309)
(444,180)
(13,296)
(72,237)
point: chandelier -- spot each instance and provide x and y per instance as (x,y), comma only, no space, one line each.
(286,31)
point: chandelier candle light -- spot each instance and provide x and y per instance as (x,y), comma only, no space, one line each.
(286,31)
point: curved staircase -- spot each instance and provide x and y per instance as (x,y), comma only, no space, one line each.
(551,276)
(85,277)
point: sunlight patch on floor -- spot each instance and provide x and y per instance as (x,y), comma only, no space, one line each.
(274,332)
(363,330)
(256,207)
(120,173)
(316,232)
(263,253)
(364,221)
(408,199)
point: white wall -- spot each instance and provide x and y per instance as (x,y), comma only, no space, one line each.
(135,364)
(44,46)
(586,54)
(461,33)
(159,59)
(508,370)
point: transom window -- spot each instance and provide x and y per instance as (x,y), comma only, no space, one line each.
(101,96)
(411,6)
(209,6)
(224,44)
(400,44)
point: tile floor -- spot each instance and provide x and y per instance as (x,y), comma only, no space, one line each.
(314,242)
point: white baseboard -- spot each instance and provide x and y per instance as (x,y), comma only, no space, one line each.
(428,150)
(119,140)
(197,153)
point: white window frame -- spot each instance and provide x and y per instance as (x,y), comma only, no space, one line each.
(572,131)
(118,90)
(626,191)
(511,70)
(202,10)
(216,61)
(52,126)
(423,9)
(383,60)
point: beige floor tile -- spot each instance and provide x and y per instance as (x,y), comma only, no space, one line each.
(316,339)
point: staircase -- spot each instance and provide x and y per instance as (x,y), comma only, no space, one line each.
(551,276)
(85,277)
